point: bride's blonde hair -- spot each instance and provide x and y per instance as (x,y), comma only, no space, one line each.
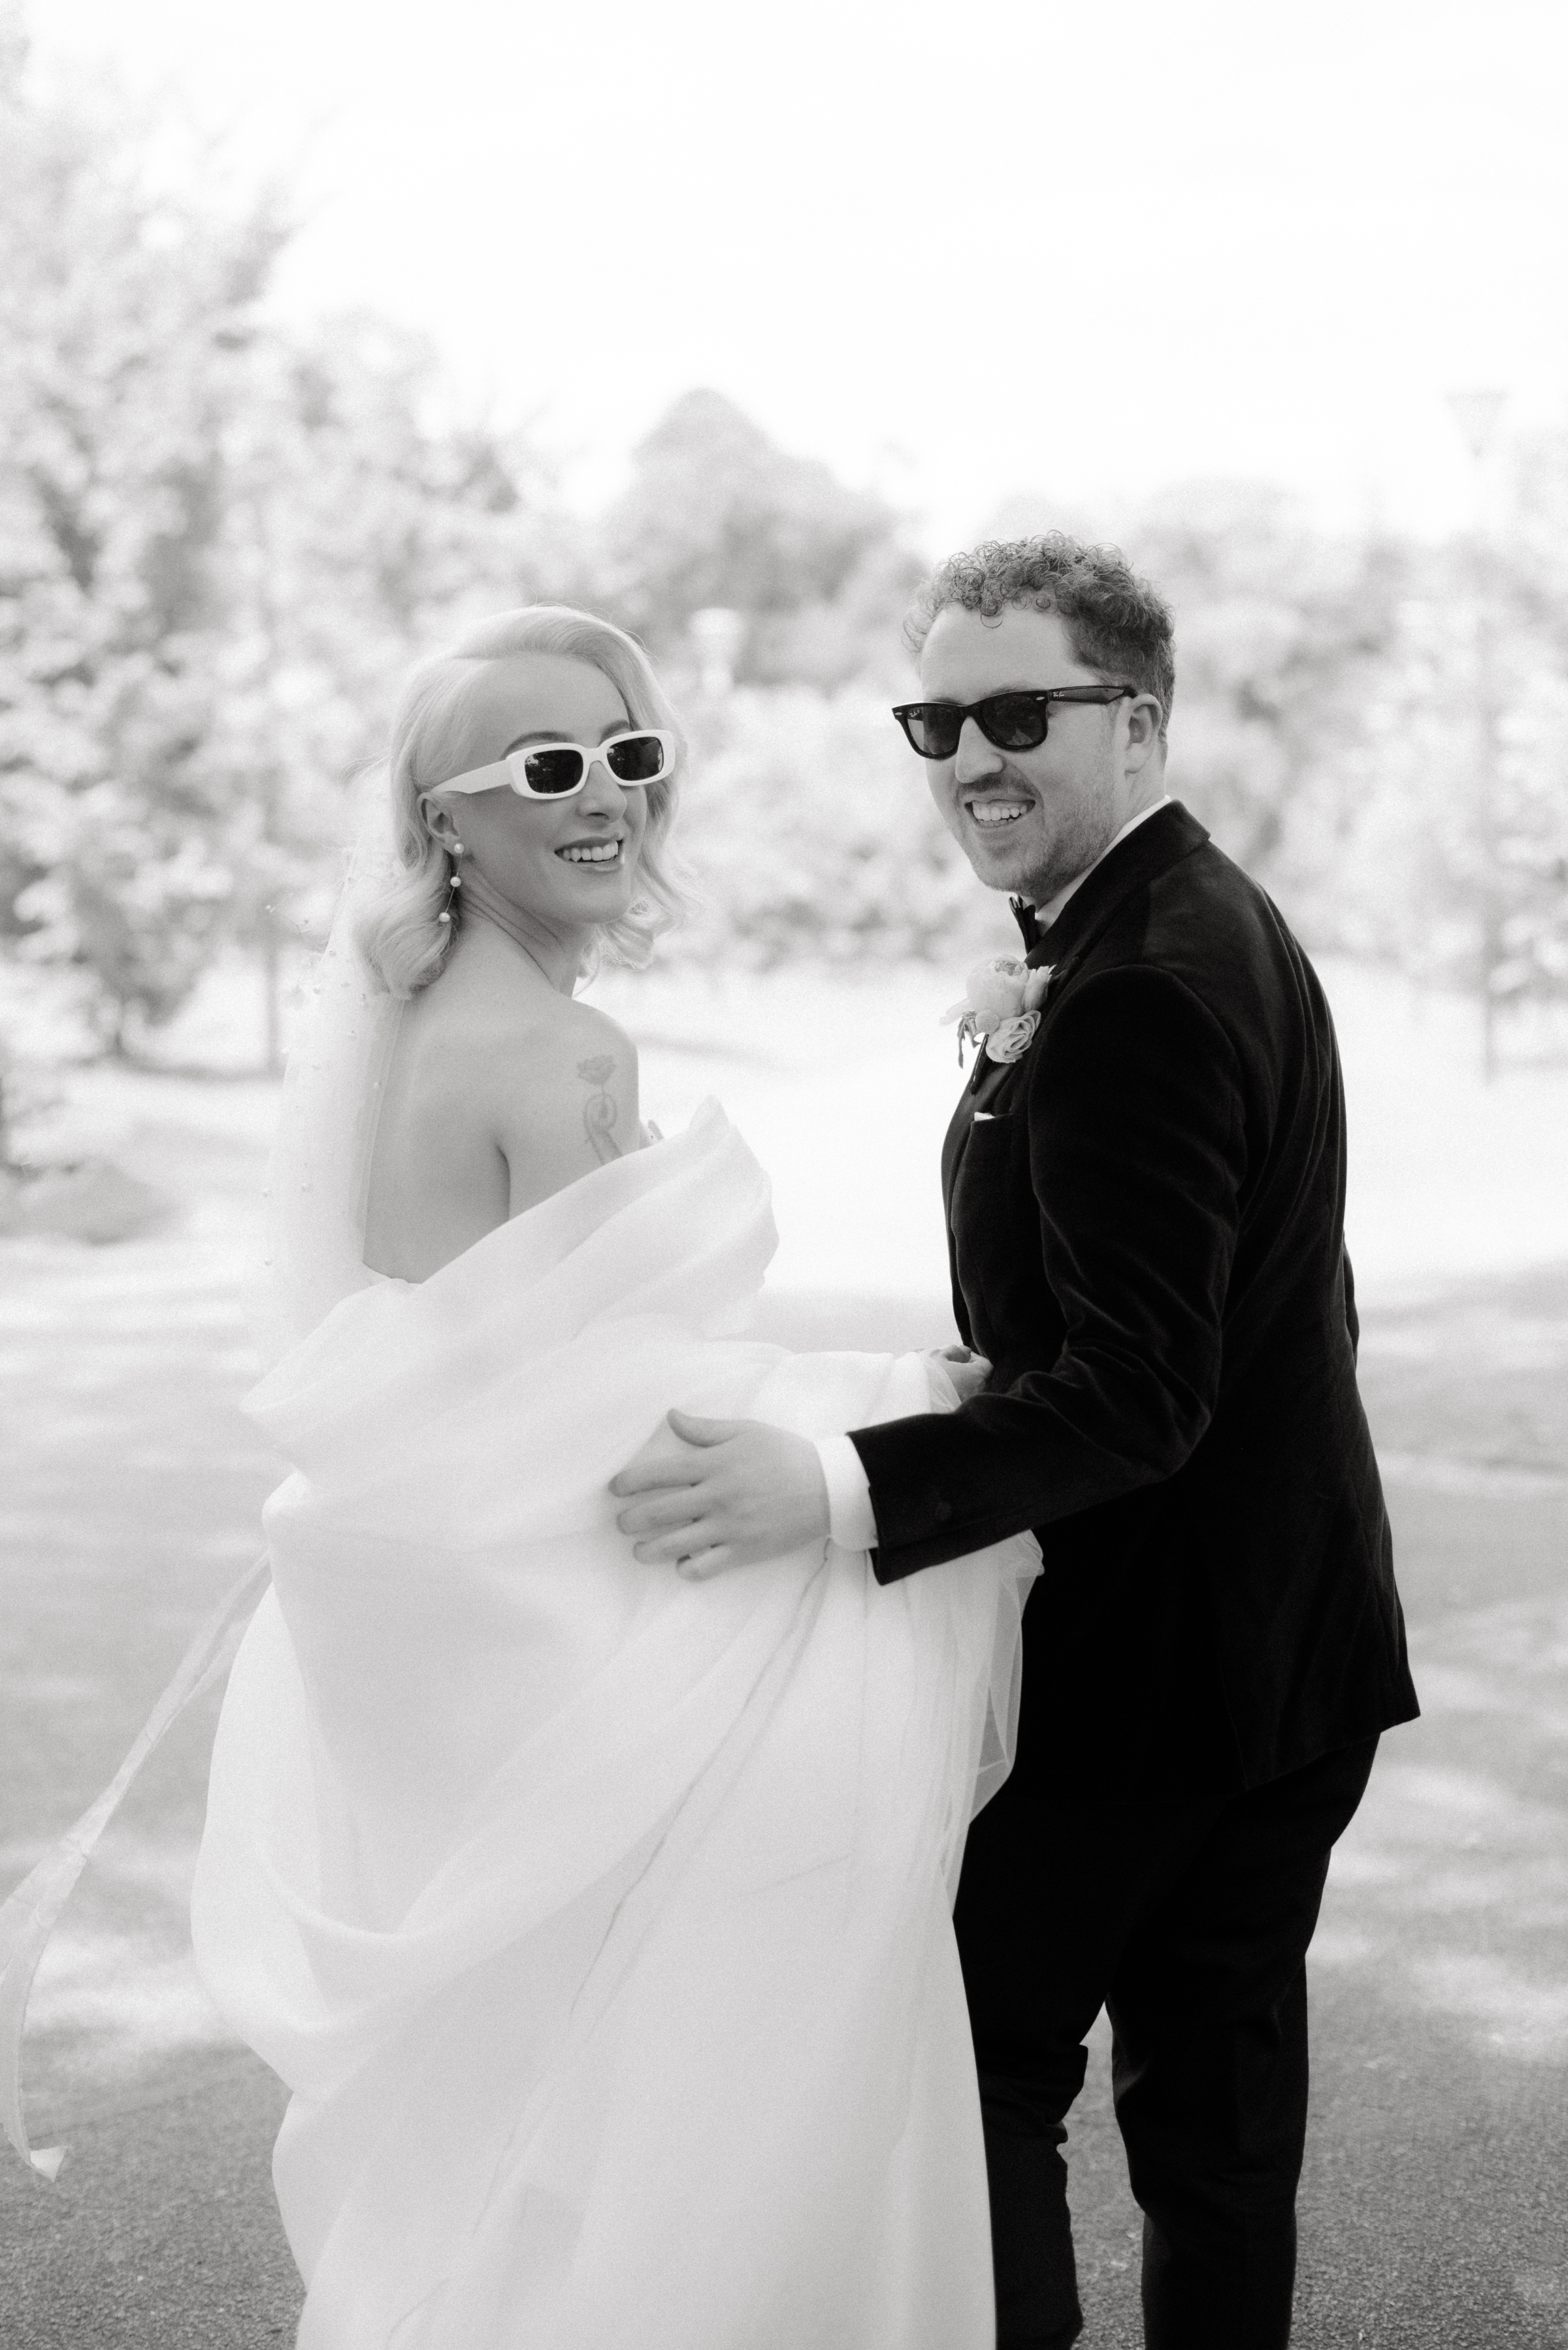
(401,933)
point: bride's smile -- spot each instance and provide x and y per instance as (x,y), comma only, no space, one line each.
(602,853)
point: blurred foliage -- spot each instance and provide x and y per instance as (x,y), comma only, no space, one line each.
(220,547)
(123,316)
(356,535)
(222,543)
(814,834)
(1280,633)
(715,516)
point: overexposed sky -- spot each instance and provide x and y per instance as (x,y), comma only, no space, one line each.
(964,250)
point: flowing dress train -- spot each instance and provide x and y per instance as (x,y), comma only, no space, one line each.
(600,1923)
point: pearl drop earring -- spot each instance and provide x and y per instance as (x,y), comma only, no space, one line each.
(454,881)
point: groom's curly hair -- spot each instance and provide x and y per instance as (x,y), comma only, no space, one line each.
(1116,622)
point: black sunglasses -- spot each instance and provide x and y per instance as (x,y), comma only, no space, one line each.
(1011,721)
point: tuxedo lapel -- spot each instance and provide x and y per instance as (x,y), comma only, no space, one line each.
(1161,841)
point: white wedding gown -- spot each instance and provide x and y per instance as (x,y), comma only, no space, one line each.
(599,1922)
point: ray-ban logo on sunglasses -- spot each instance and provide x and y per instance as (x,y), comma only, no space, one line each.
(1010,721)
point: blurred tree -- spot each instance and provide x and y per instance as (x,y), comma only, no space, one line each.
(222,548)
(1454,885)
(717,514)
(1531,842)
(360,530)
(811,833)
(1280,633)
(1396,859)
(853,637)
(125,315)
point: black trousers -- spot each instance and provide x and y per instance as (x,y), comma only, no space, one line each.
(1189,1923)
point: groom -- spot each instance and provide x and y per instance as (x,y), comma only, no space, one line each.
(1145,1230)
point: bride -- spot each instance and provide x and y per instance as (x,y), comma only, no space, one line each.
(597,1918)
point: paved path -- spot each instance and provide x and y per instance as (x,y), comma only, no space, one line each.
(1437,2170)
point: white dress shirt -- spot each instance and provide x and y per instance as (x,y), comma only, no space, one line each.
(851,1522)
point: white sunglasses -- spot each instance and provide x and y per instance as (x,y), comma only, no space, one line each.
(557,771)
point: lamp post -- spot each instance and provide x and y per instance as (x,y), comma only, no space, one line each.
(1478,414)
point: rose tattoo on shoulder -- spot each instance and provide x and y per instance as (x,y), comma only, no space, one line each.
(599,1111)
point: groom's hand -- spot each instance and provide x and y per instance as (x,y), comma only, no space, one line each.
(705,1495)
(967,1370)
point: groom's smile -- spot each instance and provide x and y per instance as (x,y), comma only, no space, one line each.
(998,812)
(1003,830)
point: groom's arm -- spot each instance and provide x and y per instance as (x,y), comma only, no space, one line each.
(1137,1148)
(1138,1141)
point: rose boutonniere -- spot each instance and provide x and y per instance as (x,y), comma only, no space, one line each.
(1001,1005)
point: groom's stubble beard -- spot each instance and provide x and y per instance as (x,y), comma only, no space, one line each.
(1080,826)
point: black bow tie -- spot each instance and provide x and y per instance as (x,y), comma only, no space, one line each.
(1023,915)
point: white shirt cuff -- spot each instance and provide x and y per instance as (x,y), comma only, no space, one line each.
(851,1521)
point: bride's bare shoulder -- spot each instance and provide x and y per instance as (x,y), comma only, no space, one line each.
(519,1034)
(563,1040)
(555,1073)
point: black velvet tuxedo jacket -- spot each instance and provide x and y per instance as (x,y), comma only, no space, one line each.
(1145,1224)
